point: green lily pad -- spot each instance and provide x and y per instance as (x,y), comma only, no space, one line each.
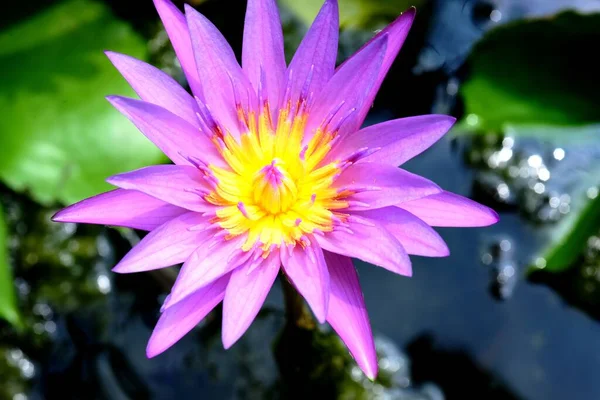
(569,238)
(59,137)
(8,303)
(541,72)
(354,14)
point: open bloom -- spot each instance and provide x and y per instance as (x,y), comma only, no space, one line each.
(272,172)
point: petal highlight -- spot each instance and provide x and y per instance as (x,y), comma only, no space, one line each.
(220,74)
(369,241)
(416,236)
(156,87)
(396,32)
(263,49)
(208,262)
(379,185)
(177,321)
(451,210)
(176,137)
(120,207)
(346,91)
(180,185)
(245,295)
(398,141)
(316,54)
(179,34)
(348,314)
(167,245)
(307,270)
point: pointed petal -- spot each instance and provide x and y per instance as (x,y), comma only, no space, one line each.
(317,51)
(369,241)
(156,87)
(167,245)
(128,208)
(218,70)
(179,34)
(449,209)
(177,321)
(348,87)
(245,295)
(396,32)
(206,264)
(348,313)
(180,185)
(263,49)
(176,137)
(416,236)
(398,140)
(379,185)
(308,272)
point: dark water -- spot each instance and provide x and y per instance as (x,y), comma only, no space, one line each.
(88,341)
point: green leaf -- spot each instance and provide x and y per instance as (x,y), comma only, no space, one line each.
(568,239)
(572,237)
(354,14)
(8,303)
(59,137)
(540,72)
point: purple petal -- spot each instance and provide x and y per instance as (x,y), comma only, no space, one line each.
(348,313)
(167,245)
(156,87)
(452,210)
(369,241)
(308,272)
(218,70)
(398,140)
(206,264)
(177,321)
(179,34)
(177,138)
(346,90)
(180,185)
(245,295)
(128,208)
(416,236)
(380,185)
(397,32)
(263,49)
(317,51)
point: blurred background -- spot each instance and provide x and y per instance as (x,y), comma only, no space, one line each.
(513,313)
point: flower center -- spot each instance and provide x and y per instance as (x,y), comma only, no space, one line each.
(273,188)
(276,190)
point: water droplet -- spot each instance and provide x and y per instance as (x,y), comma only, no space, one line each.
(544,174)
(103,283)
(472,119)
(495,16)
(540,262)
(558,153)
(539,188)
(535,161)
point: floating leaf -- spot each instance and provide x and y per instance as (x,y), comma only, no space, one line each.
(535,72)
(8,303)
(59,137)
(569,238)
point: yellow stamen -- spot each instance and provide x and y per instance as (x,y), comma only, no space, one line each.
(275,192)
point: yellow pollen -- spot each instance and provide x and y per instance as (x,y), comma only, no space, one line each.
(275,191)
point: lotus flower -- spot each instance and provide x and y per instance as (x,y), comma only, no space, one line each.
(272,173)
